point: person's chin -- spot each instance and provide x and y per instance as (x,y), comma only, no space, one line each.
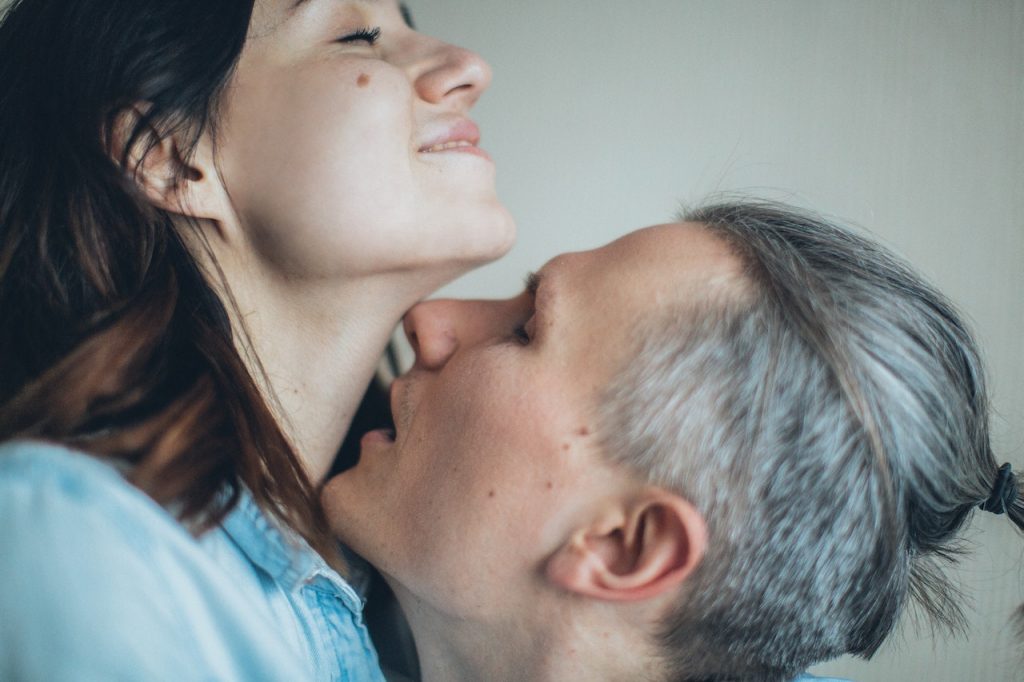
(487,239)
(505,235)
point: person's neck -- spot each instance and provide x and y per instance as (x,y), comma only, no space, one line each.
(548,646)
(315,349)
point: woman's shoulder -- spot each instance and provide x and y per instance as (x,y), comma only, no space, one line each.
(63,488)
(68,515)
(32,463)
(95,569)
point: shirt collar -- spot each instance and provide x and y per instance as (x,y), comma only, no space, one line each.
(283,554)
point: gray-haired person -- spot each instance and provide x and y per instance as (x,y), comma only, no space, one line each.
(722,449)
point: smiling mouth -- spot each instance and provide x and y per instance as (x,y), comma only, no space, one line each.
(445,146)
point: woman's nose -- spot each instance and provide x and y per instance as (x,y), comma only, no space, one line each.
(430,328)
(452,75)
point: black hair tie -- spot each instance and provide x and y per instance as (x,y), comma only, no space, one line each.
(1004,491)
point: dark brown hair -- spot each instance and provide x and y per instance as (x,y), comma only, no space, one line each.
(112,340)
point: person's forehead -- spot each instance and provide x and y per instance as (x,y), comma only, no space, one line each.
(663,258)
(593,303)
(675,242)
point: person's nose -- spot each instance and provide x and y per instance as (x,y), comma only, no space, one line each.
(430,328)
(450,75)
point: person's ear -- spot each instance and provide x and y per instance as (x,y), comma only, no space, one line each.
(156,163)
(636,551)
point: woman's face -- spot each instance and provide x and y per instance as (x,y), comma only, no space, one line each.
(345,146)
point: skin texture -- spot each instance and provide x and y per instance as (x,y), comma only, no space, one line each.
(322,204)
(493,513)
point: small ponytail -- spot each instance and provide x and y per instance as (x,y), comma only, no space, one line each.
(1004,491)
(1005,497)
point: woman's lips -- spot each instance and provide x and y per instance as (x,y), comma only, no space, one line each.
(460,136)
(445,146)
(457,146)
(460,148)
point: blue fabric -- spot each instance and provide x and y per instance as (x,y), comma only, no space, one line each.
(99,582)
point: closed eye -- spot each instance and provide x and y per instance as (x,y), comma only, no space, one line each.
(362,35)
(521,333)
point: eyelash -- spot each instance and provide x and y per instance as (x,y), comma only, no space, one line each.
(365,34)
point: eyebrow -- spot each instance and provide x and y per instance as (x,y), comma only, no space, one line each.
(538,286)
(402,7)
(532,283)
(303,2)
(406,14)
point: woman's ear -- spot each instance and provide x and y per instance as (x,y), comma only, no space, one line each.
(637,551)
(156,163)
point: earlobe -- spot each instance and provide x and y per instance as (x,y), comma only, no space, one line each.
(638,552)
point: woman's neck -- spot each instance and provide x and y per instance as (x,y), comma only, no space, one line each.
(314,350)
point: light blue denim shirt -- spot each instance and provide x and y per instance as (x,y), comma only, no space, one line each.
(98,582)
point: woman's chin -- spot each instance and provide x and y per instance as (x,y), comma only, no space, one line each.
(456,254)
(488,240)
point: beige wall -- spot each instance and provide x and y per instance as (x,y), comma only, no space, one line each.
(905,117)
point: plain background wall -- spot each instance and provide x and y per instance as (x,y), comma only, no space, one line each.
(904,117)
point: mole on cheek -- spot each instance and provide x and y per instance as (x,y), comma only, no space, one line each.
(363,80)
(583,431)
(490,494)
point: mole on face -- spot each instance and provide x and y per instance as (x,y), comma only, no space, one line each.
(583,431)
(363,80)
(490,494)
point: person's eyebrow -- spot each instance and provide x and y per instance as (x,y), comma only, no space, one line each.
(532,283)
(539,287)
(407,15)
(297,3)
(402,7)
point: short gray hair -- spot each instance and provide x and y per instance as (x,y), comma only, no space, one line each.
(829,419)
